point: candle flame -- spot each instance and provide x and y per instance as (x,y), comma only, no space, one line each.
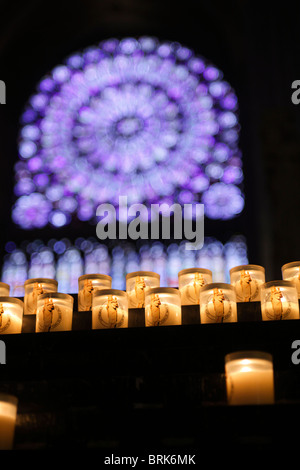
(245,361)
(246,369)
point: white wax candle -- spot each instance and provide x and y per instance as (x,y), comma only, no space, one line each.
(135,300)
(8,412)
(291,272)
(110,309)
(102,319)
(137,286)
(191,282)
(88,285)
(250,293)
(190,295)
(285,311)
(54,312)
(227,313)
(34,288)
(10,323)
(249,381)
(168,315)
(11,315)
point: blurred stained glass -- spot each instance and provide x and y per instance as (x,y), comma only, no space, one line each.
(65,261)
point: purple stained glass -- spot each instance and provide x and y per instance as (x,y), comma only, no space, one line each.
(140,118)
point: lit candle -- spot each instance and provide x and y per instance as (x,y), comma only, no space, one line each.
(247,280)
(138,284)
(279,301)
(190,282)
(88,284)
(4,289)
(162,307)
(291,272)
(54,312)
(33,288)
(249,378)
(11,315)
(8,414)
(109,309)
(218,303)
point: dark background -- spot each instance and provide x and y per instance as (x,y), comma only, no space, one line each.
(256,46)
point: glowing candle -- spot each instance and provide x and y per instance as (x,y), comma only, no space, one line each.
(109,309)
(8,414)
(247,280)
(162,307)
(279,301)
(249,378)
(54,312)
(291,272)
(88,284)
(190,282)
(138,284)
(11,315)
(218,303)
(33,288)
(4,289)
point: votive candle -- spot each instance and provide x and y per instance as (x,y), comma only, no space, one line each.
(8,415)
(249,378)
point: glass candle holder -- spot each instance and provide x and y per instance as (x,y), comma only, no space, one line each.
(109,309)
(279,301)
(218,303)
(54,312)
(33,288)
(138,284)
(11,315)
(8,415)
(291,272)
(4,289)
(247,281)
(163,306)
(88,284)
(190,282)
(249,378)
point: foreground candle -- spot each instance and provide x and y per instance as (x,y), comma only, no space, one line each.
(247,280)
(138,284)
(190,282)
(8,414)
(54,312)
(249,378)
(109,309)
(279,301)
(88,284)
(4,289)
(33,288)
(291,272)
(162,307)
(11,315)
(218,303)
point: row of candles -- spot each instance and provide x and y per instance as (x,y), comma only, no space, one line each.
(162,305)
(249,374)
(249,381)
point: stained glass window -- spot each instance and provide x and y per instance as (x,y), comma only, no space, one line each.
(66,261)
(140,118)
